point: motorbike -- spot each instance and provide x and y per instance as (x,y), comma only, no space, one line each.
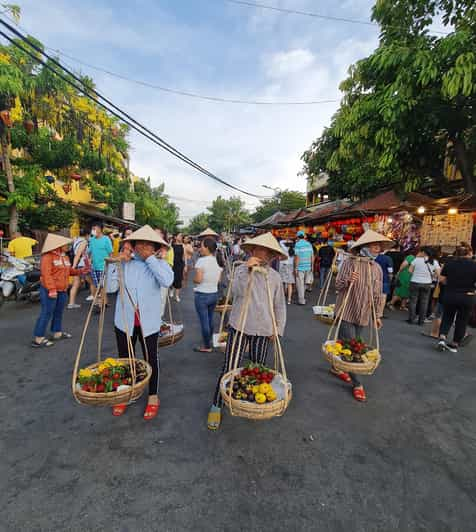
(19,278)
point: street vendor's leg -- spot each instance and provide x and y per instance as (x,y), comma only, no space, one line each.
(57,321)
(150,352)
(259,346)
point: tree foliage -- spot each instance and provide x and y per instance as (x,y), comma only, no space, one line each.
(198,224)
(227,214)
(283,200)
(407,105)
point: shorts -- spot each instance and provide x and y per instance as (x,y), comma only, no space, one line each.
(287,273)
(97,277)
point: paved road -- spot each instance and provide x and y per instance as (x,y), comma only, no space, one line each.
(404,461)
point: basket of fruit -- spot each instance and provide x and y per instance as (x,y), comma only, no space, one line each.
(170,334)
(111,382)
(219,341)
(353,356)
(255,392)
(324,313)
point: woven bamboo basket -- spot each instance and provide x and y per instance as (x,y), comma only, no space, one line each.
(219,342)
(173,337)
(115,398)
(325,319)
(223,308)
(250,410)
(370,362)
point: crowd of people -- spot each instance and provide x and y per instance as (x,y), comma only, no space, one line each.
(371,275)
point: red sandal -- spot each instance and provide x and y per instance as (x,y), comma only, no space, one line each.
(118,410)
(342,375)
(151,411)
(359,394)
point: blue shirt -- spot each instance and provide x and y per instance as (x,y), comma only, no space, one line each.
(99,249)
(304,251)
(386,263)
(143,280)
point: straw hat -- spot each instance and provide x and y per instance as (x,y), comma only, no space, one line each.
(54,242)
(372,237)
(147,233)
(266,241)
(208,232)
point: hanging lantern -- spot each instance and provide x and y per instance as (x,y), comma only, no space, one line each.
(67,188)
(6,117)
(76,177)
(325,234)
(29,126)
(50,179)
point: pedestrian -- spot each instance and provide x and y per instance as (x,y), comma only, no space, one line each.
(424,272)
(188,250)
(303,265)
(207,276)
(386,263)
(100,248)
(179,265)
(360,282)
(136,315)
(82,263)
(401,293)
(459,279)
(21,246)
(326,256)
(257,331)
(55,272)
(286,269)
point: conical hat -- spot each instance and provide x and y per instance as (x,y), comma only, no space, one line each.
(54,242)
(266,241)
(208,232)
(371,237)
(147,233)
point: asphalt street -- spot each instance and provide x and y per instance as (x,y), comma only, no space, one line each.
(404,461)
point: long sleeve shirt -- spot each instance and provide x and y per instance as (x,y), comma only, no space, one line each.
(258,322)
(143,280)
(359,306)
(55,271)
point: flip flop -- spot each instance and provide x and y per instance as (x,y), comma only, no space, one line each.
(118,410)
(342,375)
(214,419)
(202,350)
(43,343)
(359,394)
(151,411)
(64,336)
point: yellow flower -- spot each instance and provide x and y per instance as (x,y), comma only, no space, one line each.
(86,372)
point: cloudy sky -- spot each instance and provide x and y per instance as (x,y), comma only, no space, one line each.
(216,48)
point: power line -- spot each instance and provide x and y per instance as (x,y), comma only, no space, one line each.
(313,15)
(129,120)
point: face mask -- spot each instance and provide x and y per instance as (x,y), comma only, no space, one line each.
(93,232)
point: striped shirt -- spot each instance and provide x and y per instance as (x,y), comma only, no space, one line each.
(303,250)
(359,306)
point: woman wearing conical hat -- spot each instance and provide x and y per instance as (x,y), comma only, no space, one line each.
(55,272)
(144,275)
(362,277)
(258,329)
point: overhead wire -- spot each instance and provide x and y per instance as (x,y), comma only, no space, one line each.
(116,111)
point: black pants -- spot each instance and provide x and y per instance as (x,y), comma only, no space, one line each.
(419,296)
(152,344)
(258,348)
(459,307)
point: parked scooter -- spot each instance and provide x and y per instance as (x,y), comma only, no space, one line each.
(19,279)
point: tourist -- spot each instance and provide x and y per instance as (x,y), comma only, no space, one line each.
(207,276)
(55,272)
(424,272)
(21,246)
(286,269)
(81,262)
(401,293)
(236,250)
(386,263)
(303,265)
(326,256)
(136,314)
(362,276)
(258,331)
(459,279)
(179,265)
(100,248)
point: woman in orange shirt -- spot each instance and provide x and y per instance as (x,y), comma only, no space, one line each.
(55,271)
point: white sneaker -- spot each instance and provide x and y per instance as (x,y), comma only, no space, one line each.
(89,298)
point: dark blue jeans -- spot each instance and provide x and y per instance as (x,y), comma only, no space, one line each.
(323,271)
(205,306)
(51,310)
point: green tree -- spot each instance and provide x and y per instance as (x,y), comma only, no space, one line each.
(283,200)
(228,214)
(406,104)
(198,224)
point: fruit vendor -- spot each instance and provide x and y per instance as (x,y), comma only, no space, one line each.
(362,276)
(258,329)
(136,313)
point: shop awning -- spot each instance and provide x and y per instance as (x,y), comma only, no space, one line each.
(97,214)
(271,221)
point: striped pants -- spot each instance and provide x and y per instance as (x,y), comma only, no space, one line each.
(258,349)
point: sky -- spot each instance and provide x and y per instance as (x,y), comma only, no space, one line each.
(215,48)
